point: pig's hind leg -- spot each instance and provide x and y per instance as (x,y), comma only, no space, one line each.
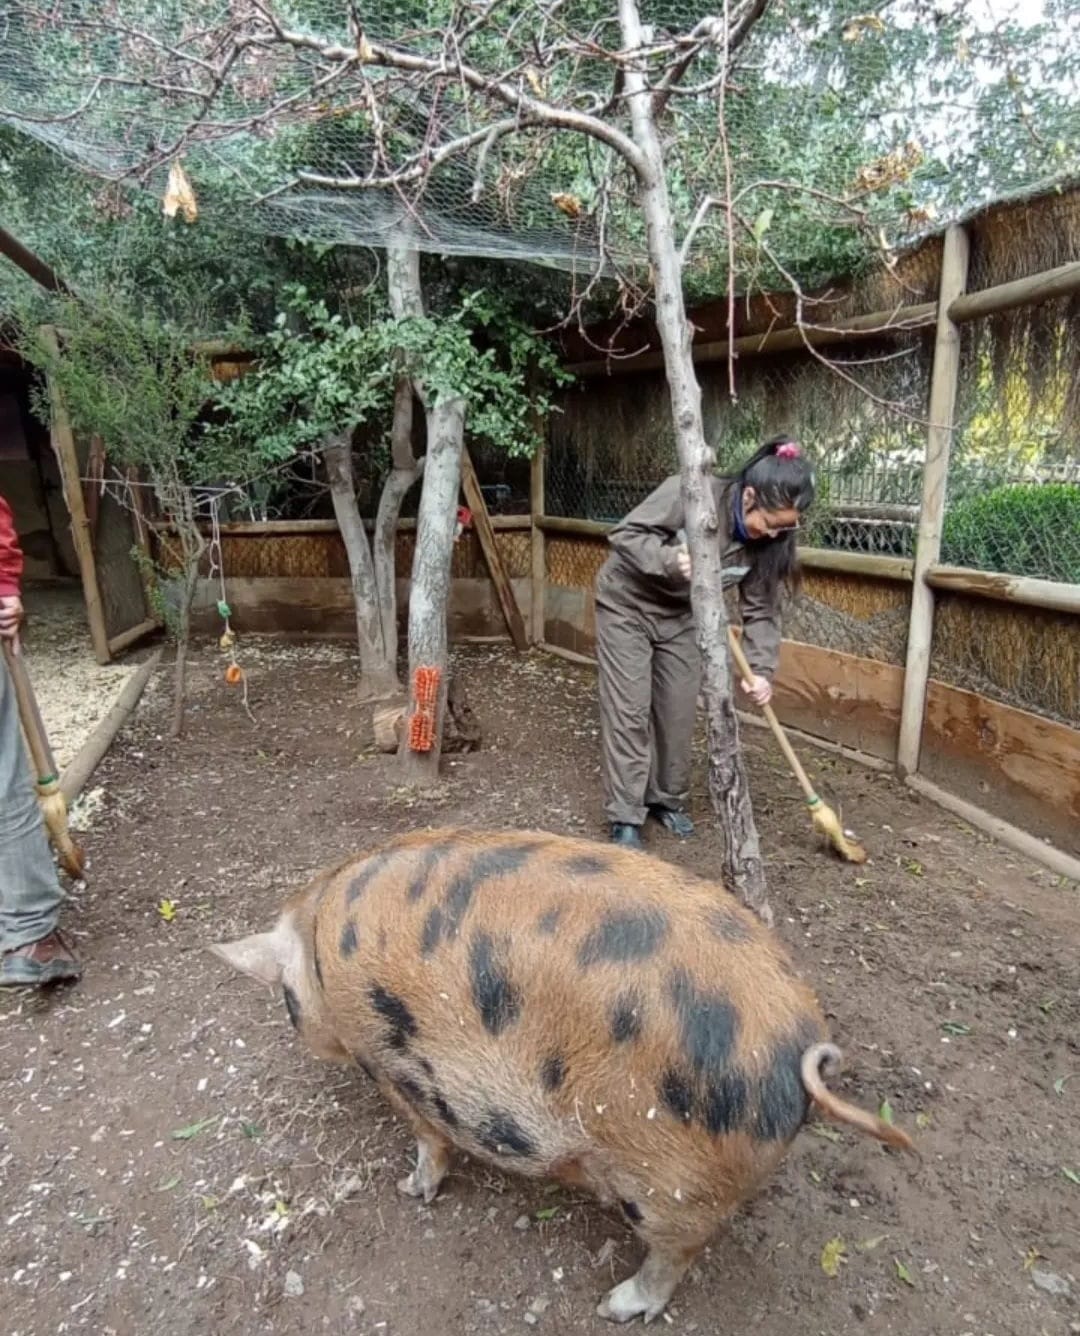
(671,1251)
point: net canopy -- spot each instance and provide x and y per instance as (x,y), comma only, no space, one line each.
(799,138)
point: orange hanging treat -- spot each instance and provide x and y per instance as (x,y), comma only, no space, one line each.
(233,674)
(426,695)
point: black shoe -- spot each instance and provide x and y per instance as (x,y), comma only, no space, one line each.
(677,822)
(630,836)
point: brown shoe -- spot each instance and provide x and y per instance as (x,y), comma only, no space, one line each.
(48,960)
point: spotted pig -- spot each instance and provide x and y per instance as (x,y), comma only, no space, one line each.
(564,1010)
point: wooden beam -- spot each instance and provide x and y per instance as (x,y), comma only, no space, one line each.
(95,472)
(943,386)
(1022,589)
(539,558)
(63,443)
(32,265)
(475,497)
(1032,291)
(857,563)
(89,755)
(584,528)
(1065,865)
(280,528)
(126,639)
(901,319)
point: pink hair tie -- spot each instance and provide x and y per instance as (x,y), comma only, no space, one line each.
(788,450)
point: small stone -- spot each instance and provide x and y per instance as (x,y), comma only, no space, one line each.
(357,1307)
(531,1319)
(294,1286)
(522,1223)
(539,1306)
(1050,1283)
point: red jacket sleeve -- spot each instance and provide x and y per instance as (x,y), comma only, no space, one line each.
(11,557)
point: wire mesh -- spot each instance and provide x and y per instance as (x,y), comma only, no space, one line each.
(317,119)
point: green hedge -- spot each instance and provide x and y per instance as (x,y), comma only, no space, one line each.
(1027,529)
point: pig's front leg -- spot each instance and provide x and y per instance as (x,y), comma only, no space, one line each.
(432,1162)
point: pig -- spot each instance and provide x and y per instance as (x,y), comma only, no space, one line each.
(564,1010)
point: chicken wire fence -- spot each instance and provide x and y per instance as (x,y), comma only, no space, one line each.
(829,131)
(1014,480)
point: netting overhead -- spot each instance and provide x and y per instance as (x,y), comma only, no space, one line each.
(501,129)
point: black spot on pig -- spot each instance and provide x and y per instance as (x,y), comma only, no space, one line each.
(677,1095)
(725,1103)
(399,1019)
(367,874)
(411,1091)
(548,922)
(587,865)
(347,945)
(418,883)
(445,1112)
(553,1071)
(426,1067)
(432,931)
(502,1134)
(626,1018)
(365,1067)
(709,1025)
(782,1101)
(623,935)
(489,863)
(632,1211)
(494,994)
(315,953)
(728,927)
(292,1006)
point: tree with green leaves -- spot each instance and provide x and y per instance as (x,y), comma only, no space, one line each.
(135,381)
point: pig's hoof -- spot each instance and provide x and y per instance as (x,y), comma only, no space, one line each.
(626,1302)
(414,1186)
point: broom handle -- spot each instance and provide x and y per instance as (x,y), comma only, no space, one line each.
(774,723)
(33,727)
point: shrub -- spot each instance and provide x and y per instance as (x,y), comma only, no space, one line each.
(1027,529)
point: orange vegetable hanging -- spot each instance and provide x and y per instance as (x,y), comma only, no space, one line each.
(234,674)
(426,695)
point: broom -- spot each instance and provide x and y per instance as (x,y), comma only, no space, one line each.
(825,820)
(53,806)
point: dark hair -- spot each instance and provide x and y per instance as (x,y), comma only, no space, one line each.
(780,481)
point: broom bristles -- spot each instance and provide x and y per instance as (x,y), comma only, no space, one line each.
(828,824)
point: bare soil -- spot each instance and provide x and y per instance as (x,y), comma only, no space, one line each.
(172,1160)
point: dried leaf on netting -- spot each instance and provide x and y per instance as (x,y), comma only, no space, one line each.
(179,195)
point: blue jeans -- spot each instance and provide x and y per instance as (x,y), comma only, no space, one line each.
(30,894)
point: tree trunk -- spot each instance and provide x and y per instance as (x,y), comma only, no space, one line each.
(430,591)
(729,786)
(404,472)
(378,669)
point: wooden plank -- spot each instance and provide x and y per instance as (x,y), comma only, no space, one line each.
(279,528)
(132,636)
(1021,589)
(1022,841)
(586,528)
(1044,287)
(539,559)
(857,563)
(470,485)
(876,324)
(848,700)
(1033,763)
(32,264)
(943,387)
(63,444)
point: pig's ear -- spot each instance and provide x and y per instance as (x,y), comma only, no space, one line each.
(260,955)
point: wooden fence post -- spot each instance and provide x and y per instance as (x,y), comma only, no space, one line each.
(63,443)
(539,568)
(943,387)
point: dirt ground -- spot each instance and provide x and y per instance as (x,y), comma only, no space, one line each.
(172,1161)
